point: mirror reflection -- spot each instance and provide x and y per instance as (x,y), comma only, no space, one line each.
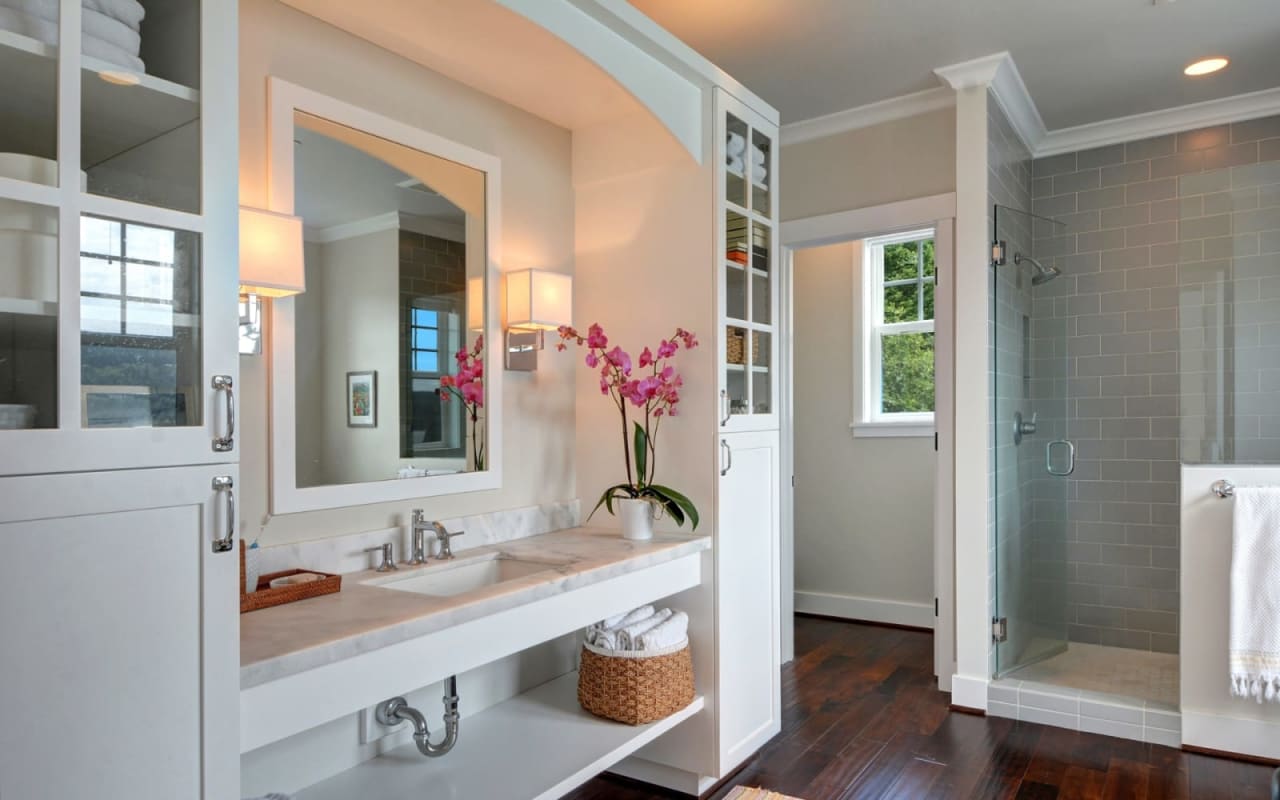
(389,348)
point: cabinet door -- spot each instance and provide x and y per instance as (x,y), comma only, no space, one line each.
(748,602)
(118,247)
(121,637)
(747,256)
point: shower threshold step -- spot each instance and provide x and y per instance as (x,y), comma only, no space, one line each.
(1087,711)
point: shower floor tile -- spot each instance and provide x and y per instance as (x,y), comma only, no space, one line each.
(1109,670)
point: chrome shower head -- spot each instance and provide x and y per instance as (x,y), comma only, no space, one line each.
(1043,274)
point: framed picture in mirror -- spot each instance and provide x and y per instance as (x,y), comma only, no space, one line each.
(362,399)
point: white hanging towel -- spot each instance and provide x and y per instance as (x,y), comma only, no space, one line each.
(1255,594)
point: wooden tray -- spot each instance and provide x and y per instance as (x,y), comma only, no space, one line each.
(265,597)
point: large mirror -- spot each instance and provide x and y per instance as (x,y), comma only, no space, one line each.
(385,350)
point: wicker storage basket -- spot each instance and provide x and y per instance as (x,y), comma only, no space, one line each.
(635,687)
(735,347)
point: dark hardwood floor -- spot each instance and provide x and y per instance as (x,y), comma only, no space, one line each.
(862,718)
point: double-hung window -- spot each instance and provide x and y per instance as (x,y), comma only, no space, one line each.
(899,281)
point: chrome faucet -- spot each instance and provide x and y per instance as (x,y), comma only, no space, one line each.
(419,549)
(388,559)
(444,537)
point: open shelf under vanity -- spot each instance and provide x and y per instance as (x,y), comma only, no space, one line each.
(539,744)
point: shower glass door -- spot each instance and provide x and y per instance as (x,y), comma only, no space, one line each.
(1032,454)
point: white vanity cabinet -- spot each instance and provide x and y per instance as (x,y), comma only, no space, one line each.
(118,247)
(121,636)
(118,356)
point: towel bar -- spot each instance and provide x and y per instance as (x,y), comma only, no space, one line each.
(1224,489)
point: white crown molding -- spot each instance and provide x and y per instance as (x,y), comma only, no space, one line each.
(974,72)
(392,220)
(895,108)
(1012,95)
(1158,123)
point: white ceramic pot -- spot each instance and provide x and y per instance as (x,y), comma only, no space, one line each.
(637,518)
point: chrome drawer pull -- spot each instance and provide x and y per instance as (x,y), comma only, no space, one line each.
(225,443)
(223,483)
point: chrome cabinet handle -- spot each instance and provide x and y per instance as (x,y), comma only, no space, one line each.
(1071,458)
(728,452)
(724,407)
(223,483)
(227,442)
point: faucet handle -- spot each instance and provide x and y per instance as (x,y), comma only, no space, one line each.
(388,558)
(445,538)
(418,516)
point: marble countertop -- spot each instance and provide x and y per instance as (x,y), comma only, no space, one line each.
(285,640)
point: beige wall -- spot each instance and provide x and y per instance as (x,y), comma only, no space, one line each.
(864,506)
(899,160)
(537,230)
(857,534)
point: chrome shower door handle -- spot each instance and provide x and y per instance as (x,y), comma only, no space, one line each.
(226,442)
(223,483)
(1071,458)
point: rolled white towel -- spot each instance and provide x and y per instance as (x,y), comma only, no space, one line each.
(618,620)
(92,23)
(759,173)
(608,637)
(736,166)
(106,51)
(736,145)
(757,155)
(671,632)
(627,636)
(130,12)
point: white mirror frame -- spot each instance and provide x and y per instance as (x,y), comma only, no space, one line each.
(283,99)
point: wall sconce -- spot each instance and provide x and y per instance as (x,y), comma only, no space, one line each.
(537,301)
(271,265)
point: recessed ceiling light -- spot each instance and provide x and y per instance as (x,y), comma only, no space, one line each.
(1206,66)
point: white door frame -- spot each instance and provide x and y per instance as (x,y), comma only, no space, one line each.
(938,211)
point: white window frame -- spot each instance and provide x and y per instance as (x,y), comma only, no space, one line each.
(871,329)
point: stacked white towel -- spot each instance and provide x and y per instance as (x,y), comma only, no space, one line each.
(1254,645)
(111,29)
(640,629)
(736,159)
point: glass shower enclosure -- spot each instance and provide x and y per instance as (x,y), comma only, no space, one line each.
(1032,453)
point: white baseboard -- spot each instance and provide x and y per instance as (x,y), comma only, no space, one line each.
(969,692)
(1250,737)
(651,772)
(869,609)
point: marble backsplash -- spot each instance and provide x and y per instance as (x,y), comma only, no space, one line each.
(342,554)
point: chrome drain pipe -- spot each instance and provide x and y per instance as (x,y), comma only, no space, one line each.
(396,710)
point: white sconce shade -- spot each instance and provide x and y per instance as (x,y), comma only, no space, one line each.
(539,300)
(475,304)
(271,260)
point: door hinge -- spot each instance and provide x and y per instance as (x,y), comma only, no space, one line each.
(998,254)
(935,441)
(999,629)
(935,606)
(793,481)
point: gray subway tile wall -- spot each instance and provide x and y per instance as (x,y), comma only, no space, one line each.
(1170,297)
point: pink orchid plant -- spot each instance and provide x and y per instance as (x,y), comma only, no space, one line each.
(467,384)
(649,388)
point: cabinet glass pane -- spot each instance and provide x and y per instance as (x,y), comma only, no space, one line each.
(735,291)
(139,325)
(735,184)
(29,112)
(736,369)
(28,316)
(761,274)
(761,373)
(761,180)
(140,86)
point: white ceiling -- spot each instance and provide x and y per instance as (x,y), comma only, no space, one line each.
(337,185)
(1083,61)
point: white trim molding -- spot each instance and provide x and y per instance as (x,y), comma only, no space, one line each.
(1158,123)
(1000,75)
(848,226)
(969,692)
(895,108)
(865,609)
(892,430)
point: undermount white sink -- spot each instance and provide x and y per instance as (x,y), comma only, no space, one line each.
(442,579)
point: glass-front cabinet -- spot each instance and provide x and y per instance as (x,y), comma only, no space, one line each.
(118,260)
(747,253)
